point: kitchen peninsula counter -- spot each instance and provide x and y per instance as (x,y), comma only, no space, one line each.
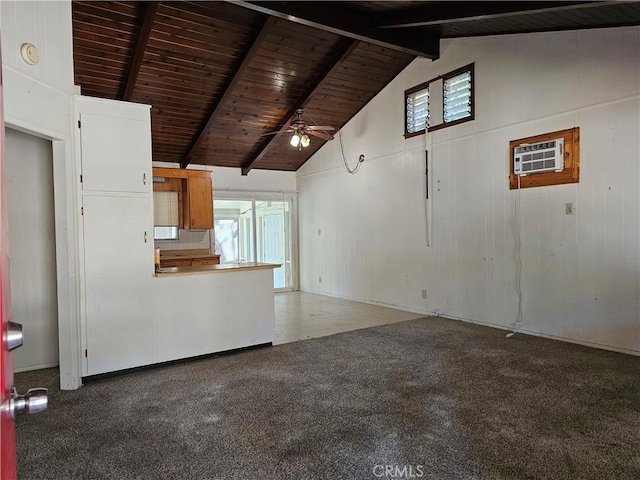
(224,267)
(205,309)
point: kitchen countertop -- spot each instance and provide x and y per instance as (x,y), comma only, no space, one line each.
(224,267)
(184,254)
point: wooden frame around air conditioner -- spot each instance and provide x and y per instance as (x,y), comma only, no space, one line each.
(571,172)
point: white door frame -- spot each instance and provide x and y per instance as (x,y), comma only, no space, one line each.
(36,178)
(66,221)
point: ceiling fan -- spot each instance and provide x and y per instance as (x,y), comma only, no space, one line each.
(301,131)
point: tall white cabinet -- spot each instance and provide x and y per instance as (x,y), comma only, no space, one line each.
(117,234)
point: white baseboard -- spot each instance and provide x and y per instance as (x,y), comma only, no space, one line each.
(35,367)
(425,312)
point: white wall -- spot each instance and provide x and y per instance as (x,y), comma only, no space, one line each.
(38,94)
(365,235)
(226,178)
(231,179)
(38,101)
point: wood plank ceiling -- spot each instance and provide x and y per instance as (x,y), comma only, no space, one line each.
(222,76)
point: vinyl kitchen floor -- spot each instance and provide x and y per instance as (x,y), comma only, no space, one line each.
(301,315)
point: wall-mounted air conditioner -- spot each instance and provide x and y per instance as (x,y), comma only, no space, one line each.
(539,157)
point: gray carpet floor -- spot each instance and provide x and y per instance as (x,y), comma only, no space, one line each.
(426,398)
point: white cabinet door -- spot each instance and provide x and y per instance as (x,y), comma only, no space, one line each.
(118,251)
(116,153)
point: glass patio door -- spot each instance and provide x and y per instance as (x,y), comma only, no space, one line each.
(256,231)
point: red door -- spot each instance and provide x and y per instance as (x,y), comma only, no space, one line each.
(35,399)
(7,425)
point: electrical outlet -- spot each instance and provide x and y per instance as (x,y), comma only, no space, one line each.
(424,294)
(568,208)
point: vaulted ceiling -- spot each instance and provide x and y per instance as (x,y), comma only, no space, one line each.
(223,76)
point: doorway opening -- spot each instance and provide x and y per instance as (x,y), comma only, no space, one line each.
(257,230)
(32,249)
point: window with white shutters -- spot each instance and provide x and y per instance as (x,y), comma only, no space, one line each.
(441,102)
(417,109)
(457,97)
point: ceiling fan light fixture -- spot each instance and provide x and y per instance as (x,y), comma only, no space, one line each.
(295,140)
(304,140)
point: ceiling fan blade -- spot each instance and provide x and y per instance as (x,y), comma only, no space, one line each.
(288,130)
(316,127)
(323,135)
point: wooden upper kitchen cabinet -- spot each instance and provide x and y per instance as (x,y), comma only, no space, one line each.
(199,211)
(195,195)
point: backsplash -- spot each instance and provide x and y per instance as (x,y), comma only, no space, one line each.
(188,239)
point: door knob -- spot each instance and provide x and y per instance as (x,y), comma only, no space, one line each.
(15,337)
(35,401)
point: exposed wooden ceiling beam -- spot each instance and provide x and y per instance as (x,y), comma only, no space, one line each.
(148,16)
(438,13)
(341,53)
(223,97)
(335,17)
